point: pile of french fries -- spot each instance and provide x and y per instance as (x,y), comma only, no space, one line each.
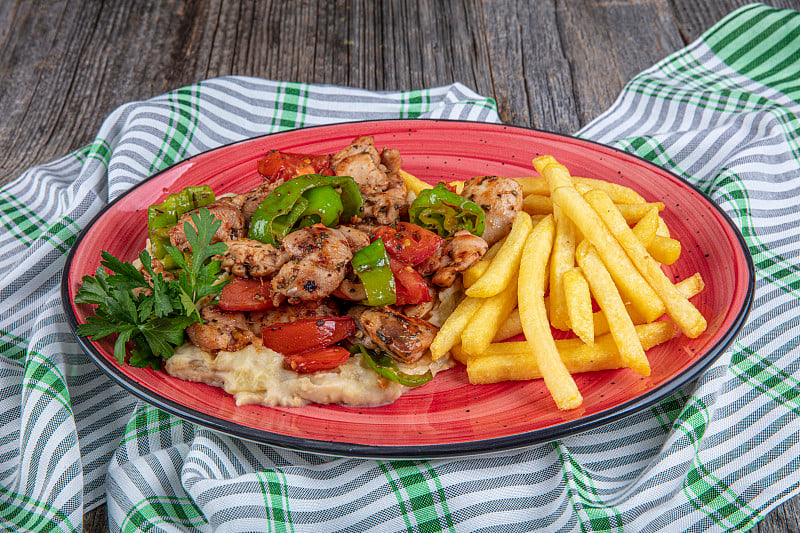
(577,241)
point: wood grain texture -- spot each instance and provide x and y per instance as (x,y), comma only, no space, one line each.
(549,64)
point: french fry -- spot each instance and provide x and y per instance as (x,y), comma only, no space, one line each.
(458,354)
(534,316)
(610,301)
(507,361)
(537,204)
(691,286)
(633,213)
(483,325)
(450,333)
(618,193)
(457,185)
(562,258)
(645,229)
(582,188)
(665,250)
(663,229)
(474,272)
(535,219)
(512,327)
(630,282)
(505,265)
(578,302)
(533,185)
(688,287)
(542,161)
(554,172)
(685,315)
(413,183)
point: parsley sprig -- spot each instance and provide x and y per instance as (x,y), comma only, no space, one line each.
(152,315)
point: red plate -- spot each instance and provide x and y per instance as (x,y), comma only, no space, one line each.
(448,416)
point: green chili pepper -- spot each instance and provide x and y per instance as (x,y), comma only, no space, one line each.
(161,217)
(324,207)
(292,203)
(371,264)
(386,367)
(441,210)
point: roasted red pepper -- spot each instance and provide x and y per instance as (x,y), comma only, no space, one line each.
(314,361)
(307,334)
(410,287)
(281,166)
(408,243)
(245,295)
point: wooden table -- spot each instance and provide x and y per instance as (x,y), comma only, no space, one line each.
(553,65)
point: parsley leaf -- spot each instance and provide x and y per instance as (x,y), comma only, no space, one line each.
(149,311)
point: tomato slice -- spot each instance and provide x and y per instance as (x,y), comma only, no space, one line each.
(316,360)
(410,286)
(408,243)
(307,334)
(281,166)
(242,294)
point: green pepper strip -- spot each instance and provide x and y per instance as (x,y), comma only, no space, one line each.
(161,217)
(441,210)
(371,264)
(281,211)
(386,367)
(324,207)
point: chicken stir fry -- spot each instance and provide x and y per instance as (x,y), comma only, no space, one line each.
(320,263)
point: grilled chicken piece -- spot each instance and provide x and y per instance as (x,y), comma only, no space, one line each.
(383,209)
(403,337)
(248,258)
(251,200)
(258,320)
(391,159)
(351,287)
(359,145)
(365,171)
(456,255)
(225,210)
(318,259)
(500,198)
(378,179)
(356,239)
(220,330)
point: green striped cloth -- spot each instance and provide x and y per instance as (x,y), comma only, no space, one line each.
(724,113)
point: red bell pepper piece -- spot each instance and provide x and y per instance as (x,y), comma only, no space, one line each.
(408,243)
(307,334)
(316,360)
(282,166)
(410,287)
(241,294)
